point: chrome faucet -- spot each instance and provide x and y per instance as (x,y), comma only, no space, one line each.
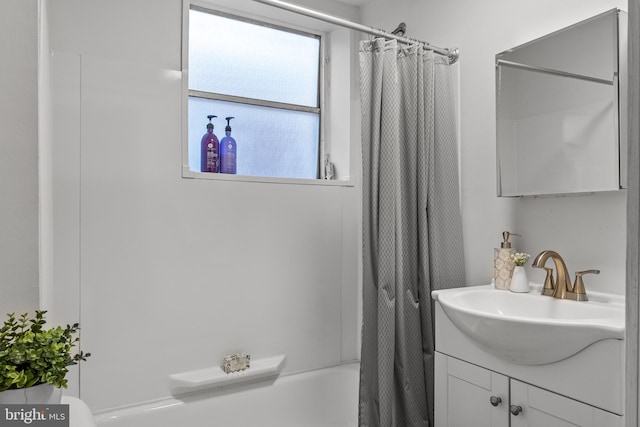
(561,287)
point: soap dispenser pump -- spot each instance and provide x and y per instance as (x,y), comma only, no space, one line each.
(502,263)
(228,150)
(209,149)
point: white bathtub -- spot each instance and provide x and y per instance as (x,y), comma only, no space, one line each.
(323,398)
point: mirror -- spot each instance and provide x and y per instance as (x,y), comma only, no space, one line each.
(560,118)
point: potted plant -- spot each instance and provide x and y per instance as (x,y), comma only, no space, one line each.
(35,358)
(519,280)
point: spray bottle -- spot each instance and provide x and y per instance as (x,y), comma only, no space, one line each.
(228,150)
(209,150)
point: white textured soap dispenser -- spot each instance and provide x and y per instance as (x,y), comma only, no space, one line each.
(502,263)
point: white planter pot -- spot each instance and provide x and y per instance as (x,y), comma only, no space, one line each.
(519,280)
(42,394)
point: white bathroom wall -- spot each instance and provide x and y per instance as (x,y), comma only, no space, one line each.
(175,273)
(131,239)
(18,156)
(589,231)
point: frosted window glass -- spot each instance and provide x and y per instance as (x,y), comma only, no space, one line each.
(232,57)
(270,142)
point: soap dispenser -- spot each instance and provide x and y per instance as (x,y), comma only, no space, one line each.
(502,263)
(209,146)
(228,150)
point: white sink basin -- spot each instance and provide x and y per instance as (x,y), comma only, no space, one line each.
(532,329)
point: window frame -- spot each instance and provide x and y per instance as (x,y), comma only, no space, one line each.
(208,7)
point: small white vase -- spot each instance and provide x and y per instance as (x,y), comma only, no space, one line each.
(41,394)
(519,280)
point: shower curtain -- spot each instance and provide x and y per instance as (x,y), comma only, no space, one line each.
(412,233)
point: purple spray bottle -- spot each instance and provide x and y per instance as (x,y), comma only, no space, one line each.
(209,150)
(228,151)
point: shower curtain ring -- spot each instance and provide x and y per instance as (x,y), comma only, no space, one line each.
(400,30)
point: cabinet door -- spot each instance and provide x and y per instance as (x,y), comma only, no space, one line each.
(464,393)
(536,407)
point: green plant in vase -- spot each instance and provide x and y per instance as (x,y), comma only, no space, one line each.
(519,258)
(31,355)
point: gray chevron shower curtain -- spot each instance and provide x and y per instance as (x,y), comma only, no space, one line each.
(412,228)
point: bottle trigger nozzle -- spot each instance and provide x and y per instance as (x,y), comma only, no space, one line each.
(210,125)
(228,119)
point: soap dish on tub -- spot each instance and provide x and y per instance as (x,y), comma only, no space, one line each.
(215,377)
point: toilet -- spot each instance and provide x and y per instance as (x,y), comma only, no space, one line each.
(79,413)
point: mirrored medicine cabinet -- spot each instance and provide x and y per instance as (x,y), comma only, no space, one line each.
(561,111)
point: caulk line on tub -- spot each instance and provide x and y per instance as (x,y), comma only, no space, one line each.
(215,378)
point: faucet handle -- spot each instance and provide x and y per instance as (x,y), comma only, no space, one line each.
(578,286)
(549,282)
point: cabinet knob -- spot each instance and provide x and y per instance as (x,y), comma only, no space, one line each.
(495,400)
(515,410)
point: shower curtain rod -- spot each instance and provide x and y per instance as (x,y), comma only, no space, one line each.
(452,53)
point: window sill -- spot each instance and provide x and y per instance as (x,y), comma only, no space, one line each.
(189,174)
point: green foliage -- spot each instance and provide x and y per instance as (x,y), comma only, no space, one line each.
(32,355)
(519,258)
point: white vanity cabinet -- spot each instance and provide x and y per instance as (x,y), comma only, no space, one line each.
(469,395)
(586,389)
(543,408)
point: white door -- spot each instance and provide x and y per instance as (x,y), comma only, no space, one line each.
(535,407)
(467,395)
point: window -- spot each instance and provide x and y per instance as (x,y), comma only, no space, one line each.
(268,79)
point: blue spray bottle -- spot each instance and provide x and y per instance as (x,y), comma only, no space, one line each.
(228,150)
(209,150)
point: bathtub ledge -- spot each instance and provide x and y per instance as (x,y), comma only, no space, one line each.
(215,378)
